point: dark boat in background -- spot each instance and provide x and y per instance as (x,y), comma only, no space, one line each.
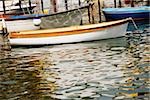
(137,13)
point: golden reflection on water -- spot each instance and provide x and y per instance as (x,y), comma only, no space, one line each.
(137,71)
(21,78)
(100,70)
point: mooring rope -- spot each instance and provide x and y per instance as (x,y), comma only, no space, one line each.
(134,24)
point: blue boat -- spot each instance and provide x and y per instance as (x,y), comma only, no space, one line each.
(137,13)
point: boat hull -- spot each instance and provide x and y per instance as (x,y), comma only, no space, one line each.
(78,34)
(137,13)
(21,25)
(135,16)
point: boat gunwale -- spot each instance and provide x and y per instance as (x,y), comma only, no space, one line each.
(57,32)
(141,8)
(126,12)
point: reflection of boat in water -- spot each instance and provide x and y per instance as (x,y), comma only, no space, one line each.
(137,13)
(71,34)
(30,73)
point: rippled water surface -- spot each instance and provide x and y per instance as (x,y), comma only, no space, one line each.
(114,69)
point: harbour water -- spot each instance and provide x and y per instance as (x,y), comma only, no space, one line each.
(114,69)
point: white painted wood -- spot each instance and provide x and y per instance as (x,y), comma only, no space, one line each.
(110,32)
(21,25)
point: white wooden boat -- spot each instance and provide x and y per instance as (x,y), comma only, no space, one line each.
(72,34)
(25,22)
(17,23)
(12,14)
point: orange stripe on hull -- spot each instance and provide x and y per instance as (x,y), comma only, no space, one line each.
(61,31)
(17,35)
